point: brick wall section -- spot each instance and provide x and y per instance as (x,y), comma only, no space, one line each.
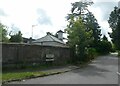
(25,53)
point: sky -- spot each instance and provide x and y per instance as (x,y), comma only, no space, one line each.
(48,15)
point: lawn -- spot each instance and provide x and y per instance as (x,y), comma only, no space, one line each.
(23,72)
(21,75)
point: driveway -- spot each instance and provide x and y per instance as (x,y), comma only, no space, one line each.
(102,70)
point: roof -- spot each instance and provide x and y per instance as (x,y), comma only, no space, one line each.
(48,38)
(60,31)
(27,39)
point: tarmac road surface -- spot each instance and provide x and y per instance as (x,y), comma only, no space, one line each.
(102,70)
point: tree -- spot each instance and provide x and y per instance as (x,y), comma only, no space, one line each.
(92,24)
(114,22)
(104,38)
(113,18)
(104,47)
(83,38)
(78,38)
(80,9)
(3,33)
(16,38)
(117,41)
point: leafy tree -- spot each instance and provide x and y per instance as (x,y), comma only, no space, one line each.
(105,38)
(16,38)
(78,38)
(92,24)
(83,37)
(113,18)
(80,9)
(104,47)
(114,22)
(117,41)
(3,33)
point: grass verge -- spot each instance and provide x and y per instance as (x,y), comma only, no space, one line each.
(18,76)
(21,75)
(15,76)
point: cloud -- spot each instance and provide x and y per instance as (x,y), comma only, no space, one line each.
(102,9)
(106,8)
(45,13)
(43,19)
(14,29)
(2,13)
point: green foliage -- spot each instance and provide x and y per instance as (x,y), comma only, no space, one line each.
(17,37)
(76,32)
(80,9)
(116,36)
(113,18)
(3,33)
(118,53)
(104,47)
(78,38)
(113,48)
(91,53)
(92,25)
(22,75)
(83,31)
(114,22)
(104,38)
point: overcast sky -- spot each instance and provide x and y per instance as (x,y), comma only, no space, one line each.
(48,15)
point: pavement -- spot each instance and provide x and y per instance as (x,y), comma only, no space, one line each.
(103,70)
(61,68)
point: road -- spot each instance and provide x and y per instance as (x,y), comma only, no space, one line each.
(102,70)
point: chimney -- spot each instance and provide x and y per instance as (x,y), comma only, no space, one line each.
(60,35)
(48,33)
(30,40)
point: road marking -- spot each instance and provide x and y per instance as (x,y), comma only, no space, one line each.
(118,73)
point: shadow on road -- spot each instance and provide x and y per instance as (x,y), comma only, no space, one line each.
(99,66)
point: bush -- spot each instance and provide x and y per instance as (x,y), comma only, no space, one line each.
(91,53)
(113,48)
(104,47)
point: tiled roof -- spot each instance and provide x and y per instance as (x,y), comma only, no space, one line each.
(49,38)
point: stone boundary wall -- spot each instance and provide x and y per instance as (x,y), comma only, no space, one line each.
(13,53)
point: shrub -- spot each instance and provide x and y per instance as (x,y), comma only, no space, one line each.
(113,48)
(104,47)
(91,53)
